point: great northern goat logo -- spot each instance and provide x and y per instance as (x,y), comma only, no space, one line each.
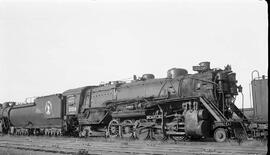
(48,107)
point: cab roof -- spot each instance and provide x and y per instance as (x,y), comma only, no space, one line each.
(76,90)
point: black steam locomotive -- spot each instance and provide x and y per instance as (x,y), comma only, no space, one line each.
(179,106)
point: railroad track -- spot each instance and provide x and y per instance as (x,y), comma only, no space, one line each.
(53,145)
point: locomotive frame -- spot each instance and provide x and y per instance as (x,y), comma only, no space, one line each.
(179,106)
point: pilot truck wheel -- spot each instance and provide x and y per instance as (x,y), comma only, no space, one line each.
(220,135)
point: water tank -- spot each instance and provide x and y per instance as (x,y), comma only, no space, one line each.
(175,72)
(260,98)
(148,76)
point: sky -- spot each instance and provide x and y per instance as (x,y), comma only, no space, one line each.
(47,47)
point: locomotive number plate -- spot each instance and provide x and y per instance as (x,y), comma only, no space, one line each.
(72,109)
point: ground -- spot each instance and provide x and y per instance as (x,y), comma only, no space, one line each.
(16,145)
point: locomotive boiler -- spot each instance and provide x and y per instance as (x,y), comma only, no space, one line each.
(178,106)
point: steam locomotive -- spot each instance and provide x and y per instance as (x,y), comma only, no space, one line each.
(179,106)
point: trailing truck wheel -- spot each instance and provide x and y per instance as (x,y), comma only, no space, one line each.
(113,129)
(127,129)
(220,135)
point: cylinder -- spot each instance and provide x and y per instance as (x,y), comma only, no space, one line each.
(203,114)
(195,127)
(175,72)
